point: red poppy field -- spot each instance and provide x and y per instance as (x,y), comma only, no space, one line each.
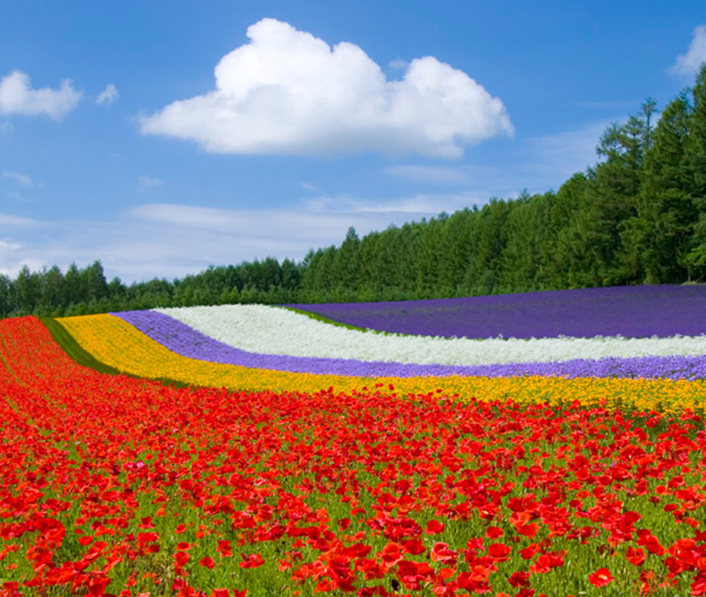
(113,485)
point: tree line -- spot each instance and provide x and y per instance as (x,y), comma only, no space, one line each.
(638,216)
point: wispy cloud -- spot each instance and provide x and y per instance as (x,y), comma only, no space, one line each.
(307,186)
(537,164)
(688,64)
(12,222)
(172,240)
(406,208)
(552,159)
(9,245)
(21,179)
(108,96)
(17,97)
(435,175)
(611,105)
(147,182)
(399,64)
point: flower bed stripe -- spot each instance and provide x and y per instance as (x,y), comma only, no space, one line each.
(115,342)
(270,330)
(631,311)
(184,340)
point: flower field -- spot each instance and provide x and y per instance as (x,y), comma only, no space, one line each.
(115,342)
(300,473)
(219,334)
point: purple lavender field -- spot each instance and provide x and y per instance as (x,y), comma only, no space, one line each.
(631,311)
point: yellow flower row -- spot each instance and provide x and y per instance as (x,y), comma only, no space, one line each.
(120,345)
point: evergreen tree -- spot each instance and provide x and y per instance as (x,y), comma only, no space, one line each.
(346,267)
(53,298)
(658,236)
(5,301)
(696,154)
(490,245)
(611,196)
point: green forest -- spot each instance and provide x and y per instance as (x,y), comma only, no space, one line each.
(638,216)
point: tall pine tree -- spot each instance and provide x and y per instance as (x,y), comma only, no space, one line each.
(658,237)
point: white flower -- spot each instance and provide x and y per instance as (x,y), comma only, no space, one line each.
(272,330)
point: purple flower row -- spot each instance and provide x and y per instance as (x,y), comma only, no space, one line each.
(186,341)
(630,311)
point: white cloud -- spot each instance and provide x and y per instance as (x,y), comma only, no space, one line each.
(558,157)
(265,227)
(288,92)
(173,240)
(538,164)
(8,221)
(108,96)
(402,209)
(440,175)
(147,182)
(17,97)
(9,246)
(307,186)
(688,64)
(21,179)
(399,64)
(611,105)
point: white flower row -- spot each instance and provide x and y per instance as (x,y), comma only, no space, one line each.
(273,330)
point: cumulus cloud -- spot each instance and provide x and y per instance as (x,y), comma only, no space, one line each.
(688,64)
(288,92)
(21,179)
(17,97)
(108,96)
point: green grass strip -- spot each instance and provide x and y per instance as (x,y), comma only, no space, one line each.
(74,349)
(79,354)
(322,319)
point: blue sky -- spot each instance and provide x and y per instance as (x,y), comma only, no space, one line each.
(162,137)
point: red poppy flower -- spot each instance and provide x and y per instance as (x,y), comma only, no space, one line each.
(434,527)
(635,556)
(391,554)
(601,577)
(414,547)
(698,586)
(252,561)
(441,553)
(499,552)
